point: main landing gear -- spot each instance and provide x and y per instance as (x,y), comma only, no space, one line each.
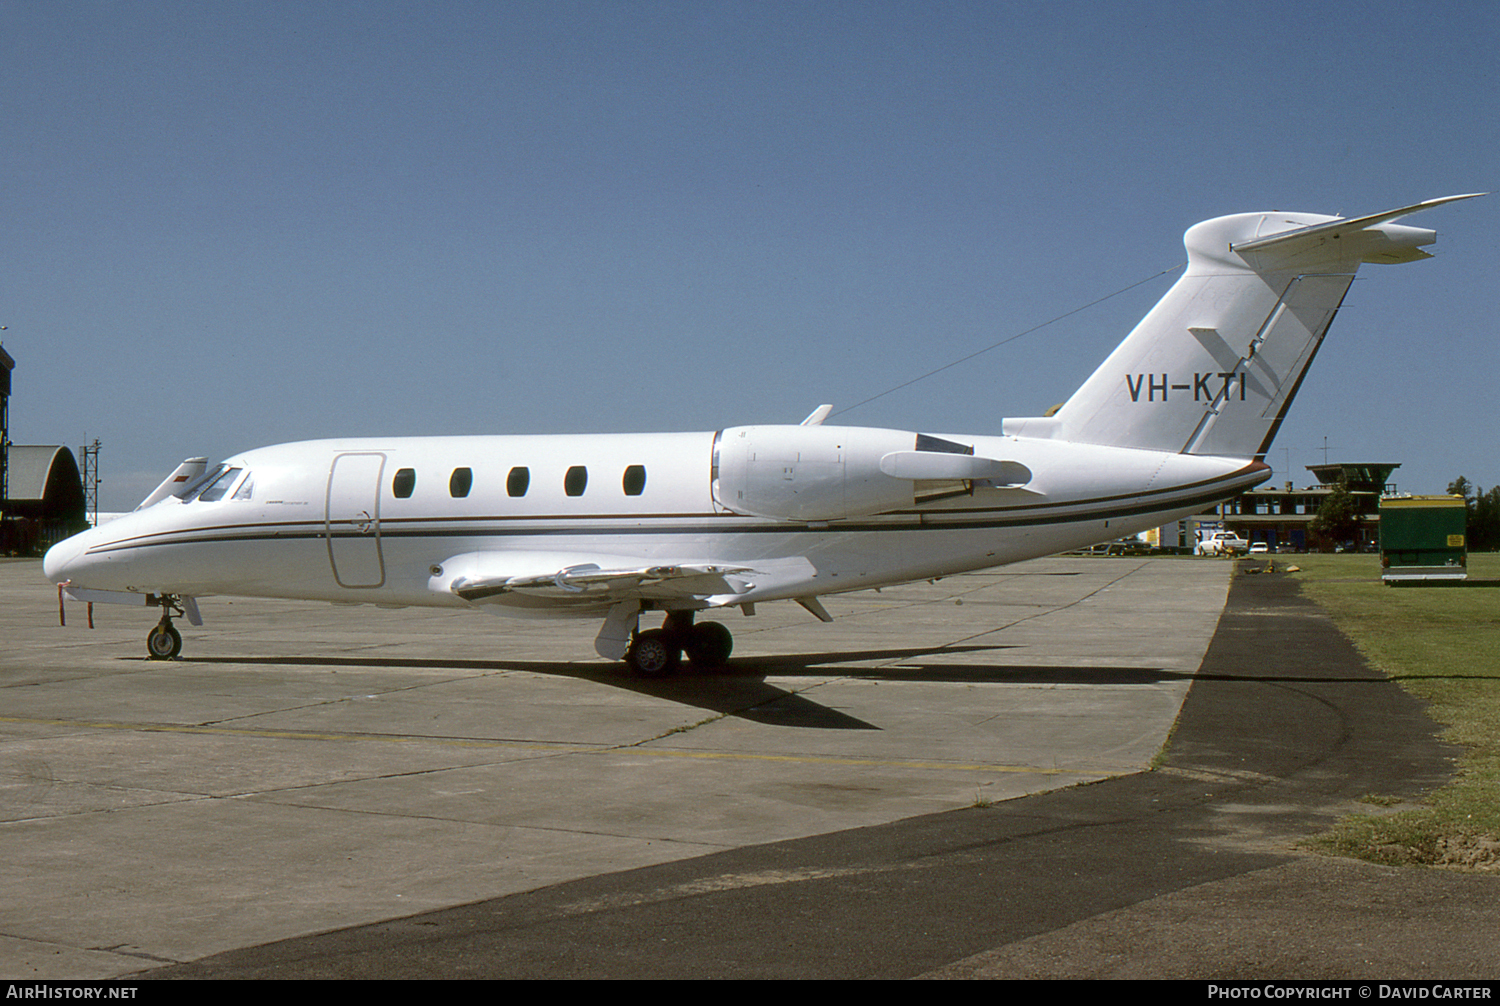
(164,642)
(656,653)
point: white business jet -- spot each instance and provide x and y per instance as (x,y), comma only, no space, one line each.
(1177,418)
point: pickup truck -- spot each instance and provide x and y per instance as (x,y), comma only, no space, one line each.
(1222,543)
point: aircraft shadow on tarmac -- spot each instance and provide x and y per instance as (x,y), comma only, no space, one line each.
(740,689)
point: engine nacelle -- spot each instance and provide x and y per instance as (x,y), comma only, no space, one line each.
(817,473)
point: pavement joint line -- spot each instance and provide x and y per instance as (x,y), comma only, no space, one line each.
(875,763)
(557,747)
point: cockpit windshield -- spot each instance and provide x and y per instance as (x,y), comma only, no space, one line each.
(190,490)
(216,484)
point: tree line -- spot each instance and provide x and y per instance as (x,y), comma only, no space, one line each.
(1484,513)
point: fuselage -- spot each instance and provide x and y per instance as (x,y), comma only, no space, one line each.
(370,520)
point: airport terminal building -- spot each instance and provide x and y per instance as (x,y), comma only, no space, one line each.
(1280,516)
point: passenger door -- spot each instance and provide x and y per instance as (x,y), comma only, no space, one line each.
(352,519)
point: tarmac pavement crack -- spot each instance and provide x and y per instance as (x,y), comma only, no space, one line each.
(1049,611)
(339,700)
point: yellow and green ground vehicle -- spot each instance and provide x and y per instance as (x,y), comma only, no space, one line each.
(1423,538)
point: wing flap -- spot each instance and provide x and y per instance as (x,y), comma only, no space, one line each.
(655,582)
(480,577)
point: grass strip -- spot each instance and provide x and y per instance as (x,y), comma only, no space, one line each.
(1442,644)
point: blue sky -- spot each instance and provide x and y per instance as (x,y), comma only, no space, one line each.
(234,224)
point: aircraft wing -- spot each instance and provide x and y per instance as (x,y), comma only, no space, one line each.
(497,577)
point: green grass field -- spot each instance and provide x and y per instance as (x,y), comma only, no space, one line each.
(1443,645)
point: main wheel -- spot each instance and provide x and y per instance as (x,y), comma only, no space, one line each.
(163,643)
(652,654)
(709,644)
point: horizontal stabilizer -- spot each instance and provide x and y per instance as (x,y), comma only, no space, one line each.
(1361,239)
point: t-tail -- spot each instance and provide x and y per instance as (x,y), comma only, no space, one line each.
(1214,366)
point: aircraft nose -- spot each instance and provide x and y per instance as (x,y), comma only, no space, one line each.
(61,559)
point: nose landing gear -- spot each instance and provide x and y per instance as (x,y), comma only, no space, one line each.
(164,642)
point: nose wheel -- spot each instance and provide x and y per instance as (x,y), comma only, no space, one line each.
(164,642)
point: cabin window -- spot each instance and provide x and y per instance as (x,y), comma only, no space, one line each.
(460,482)
(635,480)
(576,481)
(404,482)
(216,489)
(518,481)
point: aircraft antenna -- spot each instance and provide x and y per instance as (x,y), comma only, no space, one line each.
(1011,338)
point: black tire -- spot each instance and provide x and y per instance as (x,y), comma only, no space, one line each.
(163,643)
(709,645)
(653,655)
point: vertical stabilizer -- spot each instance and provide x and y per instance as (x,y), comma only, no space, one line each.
(1214,366)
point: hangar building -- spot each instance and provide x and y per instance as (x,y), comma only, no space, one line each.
(41,491)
